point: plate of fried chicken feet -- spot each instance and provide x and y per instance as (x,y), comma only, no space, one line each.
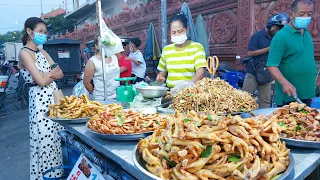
(76,110)
(299,125)
(197,146)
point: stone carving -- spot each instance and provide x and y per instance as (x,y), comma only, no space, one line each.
(224,27)
(230,23)
(244,29)
(277,7)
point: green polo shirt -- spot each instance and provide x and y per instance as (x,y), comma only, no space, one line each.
(294,55)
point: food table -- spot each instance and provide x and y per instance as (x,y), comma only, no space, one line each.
(120,153)
(305,160)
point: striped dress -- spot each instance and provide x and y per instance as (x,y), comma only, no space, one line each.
(181,64)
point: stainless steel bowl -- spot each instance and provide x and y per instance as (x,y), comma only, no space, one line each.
(152,91)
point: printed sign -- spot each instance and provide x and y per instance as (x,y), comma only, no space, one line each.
(63,54)
(84,170)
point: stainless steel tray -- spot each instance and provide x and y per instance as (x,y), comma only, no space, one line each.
(141,164)
(301,143)
(289,141)
(68,121)
(120,137)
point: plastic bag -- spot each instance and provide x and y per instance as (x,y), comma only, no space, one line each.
(111,43)
(180,86)
(80,89)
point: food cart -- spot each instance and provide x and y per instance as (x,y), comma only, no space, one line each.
(114,148)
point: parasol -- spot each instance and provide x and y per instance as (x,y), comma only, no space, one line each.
(186,11)
(202,35)
(152,49)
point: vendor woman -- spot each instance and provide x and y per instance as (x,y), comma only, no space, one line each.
(94,72)
(183,62)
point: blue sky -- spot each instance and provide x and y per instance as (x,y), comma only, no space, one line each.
(12,11)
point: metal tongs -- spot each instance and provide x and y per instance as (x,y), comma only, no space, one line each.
(297,99)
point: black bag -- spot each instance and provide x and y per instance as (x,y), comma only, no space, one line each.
(262,74)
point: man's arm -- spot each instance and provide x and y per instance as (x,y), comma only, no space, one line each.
(287,87)
(276,54)
(253,46)
(258,52)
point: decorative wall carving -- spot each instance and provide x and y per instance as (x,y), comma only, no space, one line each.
(244,29)
(230,23)
(224,27)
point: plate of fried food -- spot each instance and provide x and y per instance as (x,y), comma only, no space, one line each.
(75,110)
(197,146)
(124,125)
(299,125)
(213,95)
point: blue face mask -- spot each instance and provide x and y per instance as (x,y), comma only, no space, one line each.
(39,38)
(301,22)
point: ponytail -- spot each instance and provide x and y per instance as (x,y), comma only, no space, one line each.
(24,38)
(96,44)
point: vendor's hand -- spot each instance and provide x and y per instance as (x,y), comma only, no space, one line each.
(180,86)
(289,89)
(160,78)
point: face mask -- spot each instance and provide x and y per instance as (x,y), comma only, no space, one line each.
(179,39)
(301,22)
(39,38)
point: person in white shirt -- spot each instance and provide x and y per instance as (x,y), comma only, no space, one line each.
(93,74)
(138,63)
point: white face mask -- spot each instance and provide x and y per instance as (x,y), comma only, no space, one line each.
(179,39)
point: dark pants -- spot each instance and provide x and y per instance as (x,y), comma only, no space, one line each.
(137,79)
(306,101)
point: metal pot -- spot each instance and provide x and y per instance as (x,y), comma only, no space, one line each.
(152,91)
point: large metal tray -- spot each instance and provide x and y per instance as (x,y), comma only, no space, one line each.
(68,121)
(120,137)
(301,143)
(141,165)
(289,141)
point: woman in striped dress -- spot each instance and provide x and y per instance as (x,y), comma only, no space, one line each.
(182,63)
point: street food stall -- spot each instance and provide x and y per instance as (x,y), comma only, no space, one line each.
(279,143)
(210,130)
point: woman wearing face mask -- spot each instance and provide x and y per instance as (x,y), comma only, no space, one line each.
(93,71)
(183,62)
(35,65)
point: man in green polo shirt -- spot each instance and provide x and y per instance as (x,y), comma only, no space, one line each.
(291,57)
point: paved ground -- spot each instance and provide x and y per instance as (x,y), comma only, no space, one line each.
(14,142)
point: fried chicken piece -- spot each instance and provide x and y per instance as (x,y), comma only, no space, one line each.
(278,168)
(182,174)
(205,174)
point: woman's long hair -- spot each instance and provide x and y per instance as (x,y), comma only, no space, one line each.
(30,23)
(96,44)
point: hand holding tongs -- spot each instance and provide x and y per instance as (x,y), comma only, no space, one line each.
(297,99)
(212,65)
